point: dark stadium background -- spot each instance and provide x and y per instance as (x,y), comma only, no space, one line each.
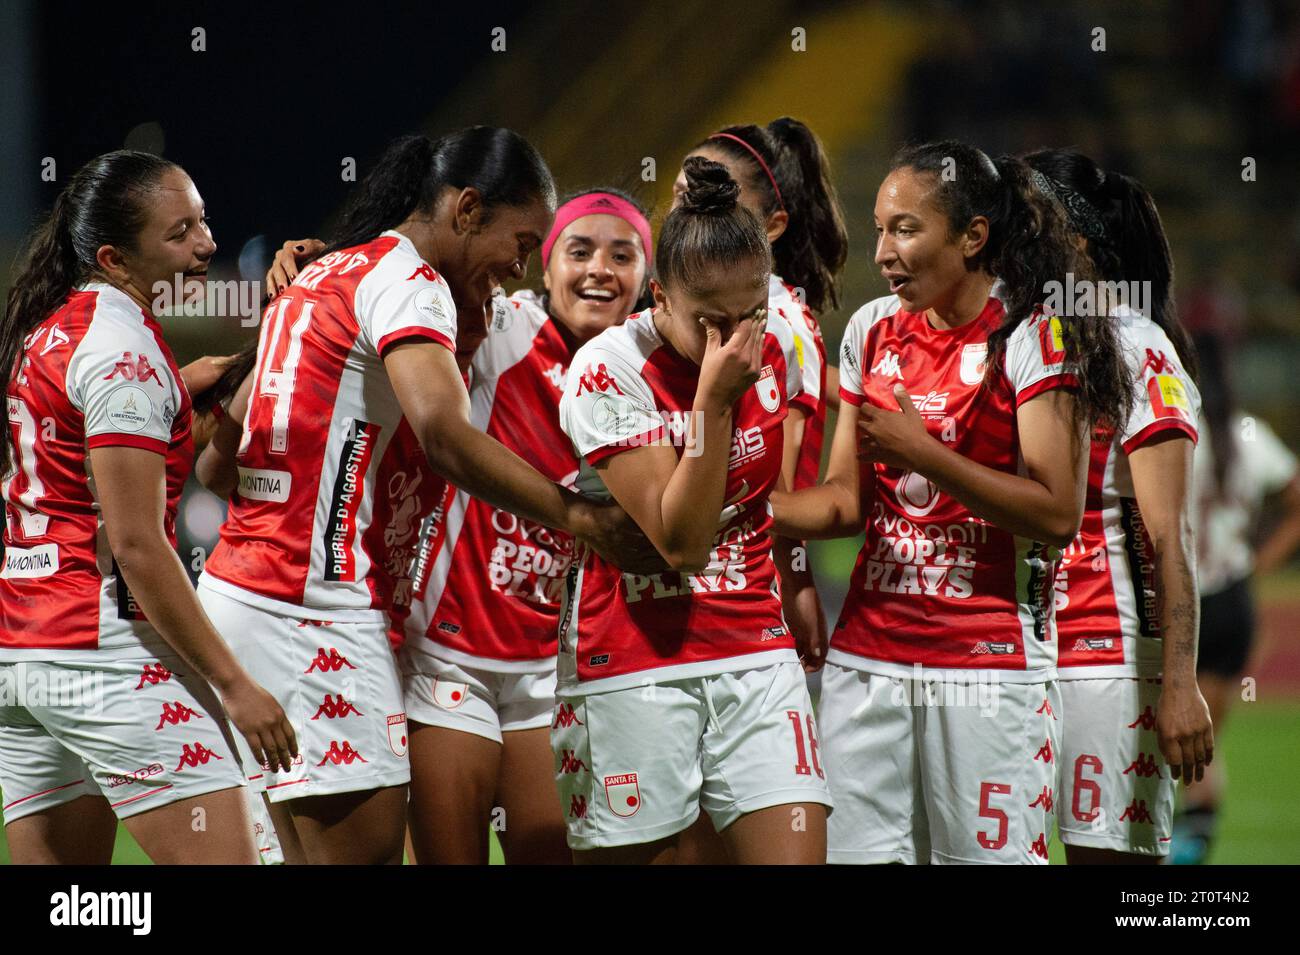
(263,118)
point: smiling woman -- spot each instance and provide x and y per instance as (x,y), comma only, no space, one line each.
(92,586)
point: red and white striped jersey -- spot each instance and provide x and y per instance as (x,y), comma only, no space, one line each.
(487,584)
(332,482)
(810,351)
(1107,603)
(934,585)
(627,388)
(96,373)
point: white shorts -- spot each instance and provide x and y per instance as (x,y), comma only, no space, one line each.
(637,765)
(143,732)
(474,700)
(1116,791)
(339,686)
(944,773)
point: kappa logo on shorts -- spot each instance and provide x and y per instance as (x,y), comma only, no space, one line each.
(397,734)
(332,663)
(1146,719)
(1137,812)
(565,717)
(153,674)
(1046,708)
(449,695)
(577,807)
(140,775)
(315,623)
(1043,799)
(198,755)
(1039,848)
(174,713)
(570,763)
(984,646)
(1144,766)
(332,708)
(1044,752)
(623,794)
(341,754)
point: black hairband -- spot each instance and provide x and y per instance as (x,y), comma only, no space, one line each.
(1084,216)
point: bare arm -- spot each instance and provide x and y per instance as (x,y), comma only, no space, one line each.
(131,487)
(1045,505)
(215,468)
(834,508)
(1285,536)
(1162,473)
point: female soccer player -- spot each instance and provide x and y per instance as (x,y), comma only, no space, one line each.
(683,689)
(93,597)
(355,383)
(1240,464)
(1126,600)
(939,694)
(479,659)
(784,180)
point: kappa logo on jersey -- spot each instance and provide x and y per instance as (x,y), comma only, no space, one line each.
(198,755)
(985,646)
(174,713)
(134,369)
(623,794)
(1051,339)
(153,674)
(1044,752)
(341,754)
(597,379)
(888,366)
(565,717)
(349,491)
(973,362)
(555,375)
(331,663)
(769,395)
(449,695)
(332,708)
(397,733)
(577,807)
(1137,812)
(425,270)
(1144,766)
(1156,363)
(570,763)
(1043,799)
(1039,848)
(1146,719)
(139,776)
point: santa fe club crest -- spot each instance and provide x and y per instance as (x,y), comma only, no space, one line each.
(623,794)
(768,394)
(397,740)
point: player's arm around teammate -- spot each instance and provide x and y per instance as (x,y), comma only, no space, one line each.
(98,365)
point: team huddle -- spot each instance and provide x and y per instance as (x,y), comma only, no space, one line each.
(535,564)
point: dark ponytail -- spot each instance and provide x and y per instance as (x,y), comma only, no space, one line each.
(812,250)
(709,229)
(105,203)
(1030,245)
(413,171)
(1126,240)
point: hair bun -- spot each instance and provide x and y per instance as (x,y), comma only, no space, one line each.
(710,190)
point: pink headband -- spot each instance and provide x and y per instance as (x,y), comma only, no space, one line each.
(598,204)
(759,159)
